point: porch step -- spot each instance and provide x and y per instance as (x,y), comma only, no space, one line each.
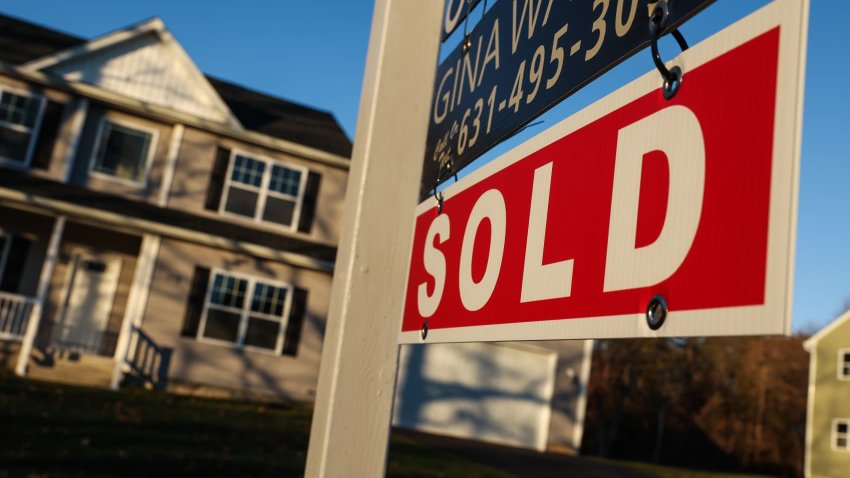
(72,368)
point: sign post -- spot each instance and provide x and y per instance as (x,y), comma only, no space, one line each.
(636,217)
(351,421)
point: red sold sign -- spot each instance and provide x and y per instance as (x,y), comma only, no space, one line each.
(692,199)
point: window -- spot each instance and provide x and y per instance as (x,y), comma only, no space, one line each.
(841,434)
(263,190)
(245,312)
(844,364)
(19,117)
(123,152)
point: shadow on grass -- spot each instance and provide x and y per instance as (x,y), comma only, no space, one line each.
(62,431)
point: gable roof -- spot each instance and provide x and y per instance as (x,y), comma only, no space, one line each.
(826,330)
(22,42)
(145,62)
(283,119)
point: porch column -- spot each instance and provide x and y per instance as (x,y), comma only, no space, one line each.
(170,164)
(136,302)
(41,295)
(71,137)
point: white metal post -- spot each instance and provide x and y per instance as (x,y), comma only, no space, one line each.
(135,304)
(351,421)
(47,269)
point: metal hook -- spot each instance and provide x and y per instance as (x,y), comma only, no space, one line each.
(467,39)
(439,197)
(450,167)
(673,76)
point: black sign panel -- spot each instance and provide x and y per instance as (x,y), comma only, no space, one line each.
(526,56)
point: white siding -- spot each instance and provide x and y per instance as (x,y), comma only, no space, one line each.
(148,69)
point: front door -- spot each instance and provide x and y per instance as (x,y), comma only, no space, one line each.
(91,290)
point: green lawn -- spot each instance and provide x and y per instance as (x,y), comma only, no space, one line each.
(56,430)
(50,430)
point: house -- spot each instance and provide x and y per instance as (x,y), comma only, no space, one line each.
(158,225)
(522,394)
(828,414)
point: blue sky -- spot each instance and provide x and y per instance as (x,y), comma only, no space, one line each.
(314,52)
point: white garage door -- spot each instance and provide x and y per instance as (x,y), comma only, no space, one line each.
(498,393)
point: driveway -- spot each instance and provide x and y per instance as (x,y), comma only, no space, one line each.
(520,462)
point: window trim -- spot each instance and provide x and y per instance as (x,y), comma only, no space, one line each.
(833,435)
(101,127)
(246,312)
(34,131)
(839,372)
(263,189)
(4,251)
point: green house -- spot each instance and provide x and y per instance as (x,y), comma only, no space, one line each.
(828,415)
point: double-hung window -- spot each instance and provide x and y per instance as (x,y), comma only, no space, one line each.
(123,152)
(245,312)
(844,364)
(264,190)
(841,434)
(20,115)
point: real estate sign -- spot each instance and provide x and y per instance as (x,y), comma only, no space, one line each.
(522,58)
(692,199)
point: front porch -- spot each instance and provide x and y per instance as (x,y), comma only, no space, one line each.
(15,311)
(69,295)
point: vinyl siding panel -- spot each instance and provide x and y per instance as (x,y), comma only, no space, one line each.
(831,401)
(194,168)
(149,70)
(147,191)
(222,366)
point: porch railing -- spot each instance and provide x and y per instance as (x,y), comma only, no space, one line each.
(15,312)
(148,361)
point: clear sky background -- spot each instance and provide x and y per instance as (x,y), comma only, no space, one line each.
(313,52)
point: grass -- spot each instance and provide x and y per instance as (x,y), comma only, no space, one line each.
(57,430)
(660,471)
(52,430)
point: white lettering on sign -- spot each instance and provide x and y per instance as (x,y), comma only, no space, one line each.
(628,199)
(677,133)
(542,281)
(435,265)
(453,15)
(674,131)
(529,12)
(491,205)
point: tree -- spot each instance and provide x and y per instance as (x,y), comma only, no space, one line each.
(743,398)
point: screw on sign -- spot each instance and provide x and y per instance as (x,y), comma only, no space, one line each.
(639,216)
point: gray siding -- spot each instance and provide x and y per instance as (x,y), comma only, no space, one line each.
(224,366)
(194,168)
(149,191)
